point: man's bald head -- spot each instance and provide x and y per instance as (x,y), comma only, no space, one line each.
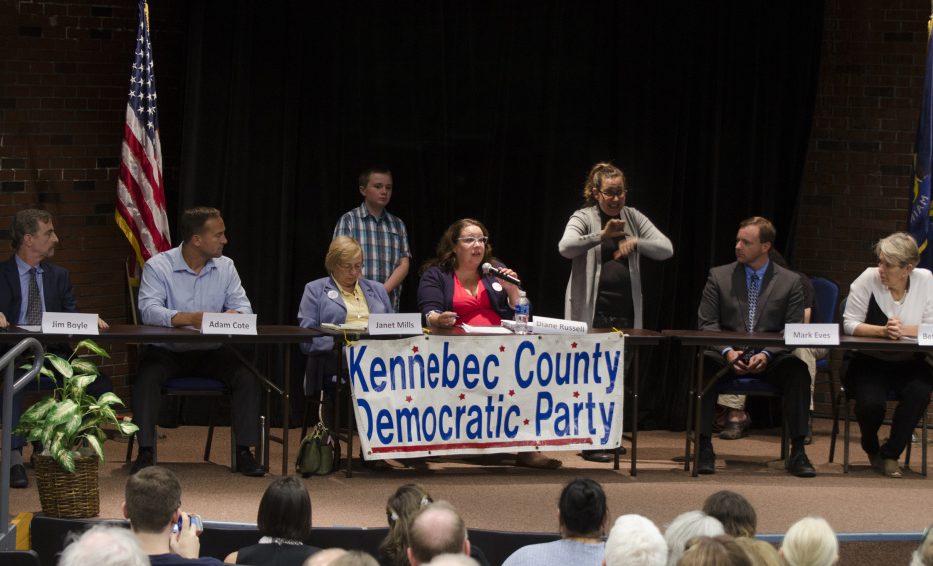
(436,529)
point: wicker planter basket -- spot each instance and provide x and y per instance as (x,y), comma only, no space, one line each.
(71,496)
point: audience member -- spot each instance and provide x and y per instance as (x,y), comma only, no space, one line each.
(284,522)
(382,235)
(404,504)
(759,552)
(354,558)
(810,542)
(436,529)
(720,550)
(453,560)
(923,556)
(103,545)
(736,514)
(635,541)
(153,506)
(685,527)
(325,557)
(582,516)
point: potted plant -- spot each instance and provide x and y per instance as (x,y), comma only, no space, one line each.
(69,424)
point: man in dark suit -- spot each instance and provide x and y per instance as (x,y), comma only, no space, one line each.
(753,294)
(29,286)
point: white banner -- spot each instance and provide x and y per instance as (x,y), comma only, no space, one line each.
(437,395)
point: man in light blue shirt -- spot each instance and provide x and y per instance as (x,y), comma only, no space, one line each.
(178,286)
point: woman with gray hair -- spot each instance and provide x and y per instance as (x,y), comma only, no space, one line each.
(889,301)
(810,542)
(685,527)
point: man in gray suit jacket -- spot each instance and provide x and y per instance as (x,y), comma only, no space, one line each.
(753,294)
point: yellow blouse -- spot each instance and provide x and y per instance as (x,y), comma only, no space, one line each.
(357,307)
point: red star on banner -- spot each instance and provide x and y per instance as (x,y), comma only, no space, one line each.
(462,396)
(511,392)
(573,345)
(501,348)
(408,398)
(576,394)
(526,422)
(414,349)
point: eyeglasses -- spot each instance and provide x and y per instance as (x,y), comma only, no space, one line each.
(614,194)
(470,240)
(350,266)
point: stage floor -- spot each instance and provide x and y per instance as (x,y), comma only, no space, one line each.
(492,493)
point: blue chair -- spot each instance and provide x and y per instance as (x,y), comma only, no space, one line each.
(825,301)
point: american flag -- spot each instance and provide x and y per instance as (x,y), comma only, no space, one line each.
(140,194)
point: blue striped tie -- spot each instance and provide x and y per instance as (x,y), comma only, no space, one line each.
(752,302)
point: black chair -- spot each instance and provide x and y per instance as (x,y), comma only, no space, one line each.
(19,558)
(180,388)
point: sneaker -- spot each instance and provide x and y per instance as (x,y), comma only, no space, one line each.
(891,469)
(248,466)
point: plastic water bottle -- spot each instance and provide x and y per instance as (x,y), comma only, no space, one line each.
(522,310)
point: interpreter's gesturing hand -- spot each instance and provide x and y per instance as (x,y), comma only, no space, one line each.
(186,543)
(626,247)
(615,228)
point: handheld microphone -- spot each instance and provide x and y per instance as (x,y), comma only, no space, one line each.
(488,268)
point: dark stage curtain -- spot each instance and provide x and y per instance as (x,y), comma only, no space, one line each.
(496,110)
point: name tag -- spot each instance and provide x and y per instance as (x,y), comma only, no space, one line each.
(925,335)
(69,323)
(395,323)
(811,334)
(228,323)
(545,325)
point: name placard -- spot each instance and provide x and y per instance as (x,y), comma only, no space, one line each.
(69,323)
(925,335)
(545,325)
(228,323)
(395,323)
(811,334)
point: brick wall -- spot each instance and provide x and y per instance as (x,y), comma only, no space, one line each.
(64,79)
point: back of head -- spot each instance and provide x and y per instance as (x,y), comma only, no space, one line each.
(400,508)
(26,222)
(285,510)
(736,514)
(324,557)
(810,542)
(152,495)
(759,552)
(685,527)
(583,508)
(635,541)
(437,529)
(923,556)
(453,560)
(104,545)
(721,550)
(354,558)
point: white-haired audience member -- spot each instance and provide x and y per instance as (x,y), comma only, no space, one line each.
(436,529)
(810,542)
(685,527)
(453,560)
(582,515)
(354,558)
(324,557)
(104,545)
(635,541)
(923,556)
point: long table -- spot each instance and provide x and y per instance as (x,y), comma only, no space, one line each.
(267,335)
(636,338)
(699,339)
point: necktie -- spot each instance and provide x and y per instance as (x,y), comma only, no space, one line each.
(34,303)
(752,302)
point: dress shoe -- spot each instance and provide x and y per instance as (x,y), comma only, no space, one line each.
(247,465)
(602,456)
(537,460)
(18,477)
(707,462)
(800,466)
(143,460)
(889,467)
(735,430)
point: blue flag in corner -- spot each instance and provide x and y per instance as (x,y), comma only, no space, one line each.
(919,218)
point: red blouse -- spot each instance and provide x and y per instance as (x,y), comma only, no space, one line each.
(476,310)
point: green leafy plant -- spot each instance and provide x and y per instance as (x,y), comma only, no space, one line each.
(69,423)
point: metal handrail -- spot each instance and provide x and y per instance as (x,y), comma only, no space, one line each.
(10,388)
